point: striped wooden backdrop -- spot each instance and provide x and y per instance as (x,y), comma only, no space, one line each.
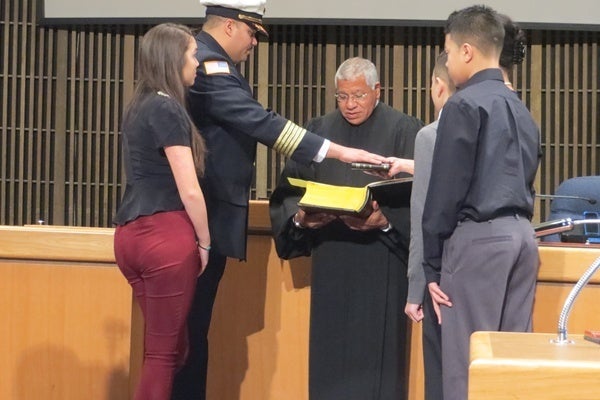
(63,90)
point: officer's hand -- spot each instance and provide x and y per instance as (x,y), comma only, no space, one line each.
(349,154)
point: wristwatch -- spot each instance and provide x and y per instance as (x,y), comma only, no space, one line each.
(387,228)
(296,223)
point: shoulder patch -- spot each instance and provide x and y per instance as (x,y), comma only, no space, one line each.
(216,67)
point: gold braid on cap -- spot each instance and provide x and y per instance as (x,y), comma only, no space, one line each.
(289,139)
(243,17)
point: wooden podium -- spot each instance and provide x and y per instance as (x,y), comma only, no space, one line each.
(529,366)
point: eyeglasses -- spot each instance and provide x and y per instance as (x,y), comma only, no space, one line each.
(343,97)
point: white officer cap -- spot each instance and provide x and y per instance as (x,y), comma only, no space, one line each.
(248,11)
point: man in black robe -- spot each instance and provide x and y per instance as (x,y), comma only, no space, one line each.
(359,285)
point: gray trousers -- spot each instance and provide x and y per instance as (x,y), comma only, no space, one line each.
(489,271)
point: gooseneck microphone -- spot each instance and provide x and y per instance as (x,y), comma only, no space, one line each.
(562,196)
(561,225)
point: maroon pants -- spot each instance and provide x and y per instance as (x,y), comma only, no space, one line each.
(159,257)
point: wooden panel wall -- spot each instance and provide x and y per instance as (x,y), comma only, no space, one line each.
(66,317)
(63,90)
(67,313)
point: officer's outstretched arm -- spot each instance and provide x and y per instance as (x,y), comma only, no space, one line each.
(349,154)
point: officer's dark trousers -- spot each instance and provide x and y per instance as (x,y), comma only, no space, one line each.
(190,381)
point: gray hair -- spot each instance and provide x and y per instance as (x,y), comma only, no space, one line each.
(356,67)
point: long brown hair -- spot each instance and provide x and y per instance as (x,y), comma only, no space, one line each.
(161,59)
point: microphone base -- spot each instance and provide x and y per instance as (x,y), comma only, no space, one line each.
(562,342)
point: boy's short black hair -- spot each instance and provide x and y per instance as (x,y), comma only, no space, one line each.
(478,25)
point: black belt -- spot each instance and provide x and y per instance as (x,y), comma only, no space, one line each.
(500,214)
(512,213)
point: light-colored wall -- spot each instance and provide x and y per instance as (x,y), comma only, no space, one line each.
(396,11)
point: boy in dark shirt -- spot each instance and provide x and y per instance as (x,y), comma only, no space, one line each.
(480,253)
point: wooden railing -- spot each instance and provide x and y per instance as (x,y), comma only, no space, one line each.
(70,332)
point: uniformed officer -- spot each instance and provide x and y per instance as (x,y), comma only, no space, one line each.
(232,123)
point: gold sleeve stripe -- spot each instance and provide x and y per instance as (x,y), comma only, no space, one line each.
(289,139)
(281,143)
(296,137)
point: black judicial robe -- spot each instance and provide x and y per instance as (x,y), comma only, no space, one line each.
(359,285)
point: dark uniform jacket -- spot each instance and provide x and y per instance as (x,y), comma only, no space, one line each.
(232,122)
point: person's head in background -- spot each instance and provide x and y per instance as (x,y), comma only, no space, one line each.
(357,89)
(442,86)
(513,50)
(474,40)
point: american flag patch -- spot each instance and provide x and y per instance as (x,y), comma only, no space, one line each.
(216,67)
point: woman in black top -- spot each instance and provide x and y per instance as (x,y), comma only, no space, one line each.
(162,238)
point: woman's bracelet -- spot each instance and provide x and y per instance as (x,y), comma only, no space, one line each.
(207,248)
